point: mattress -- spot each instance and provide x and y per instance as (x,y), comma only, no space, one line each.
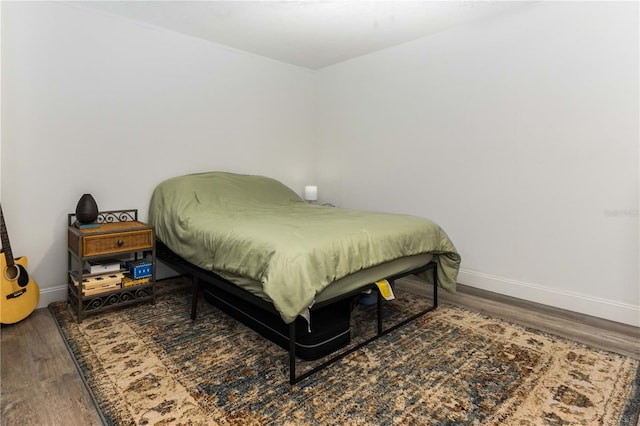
(344,285)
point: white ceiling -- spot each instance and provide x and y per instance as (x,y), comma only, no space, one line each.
(310,34)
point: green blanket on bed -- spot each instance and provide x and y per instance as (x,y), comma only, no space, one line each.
(258,228)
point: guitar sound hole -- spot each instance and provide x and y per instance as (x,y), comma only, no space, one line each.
(12,272)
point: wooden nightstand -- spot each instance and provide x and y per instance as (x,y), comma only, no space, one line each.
(118,236)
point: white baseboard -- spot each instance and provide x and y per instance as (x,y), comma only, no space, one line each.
(598,307)
(52,294)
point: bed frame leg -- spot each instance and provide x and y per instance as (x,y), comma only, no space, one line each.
(379,304)
(292,353)
(435,286)
(195,289)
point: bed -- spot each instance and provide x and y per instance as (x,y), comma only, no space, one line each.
(255,238)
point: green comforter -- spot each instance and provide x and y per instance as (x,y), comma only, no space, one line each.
(258,228)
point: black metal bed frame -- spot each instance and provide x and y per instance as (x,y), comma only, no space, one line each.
(200,275)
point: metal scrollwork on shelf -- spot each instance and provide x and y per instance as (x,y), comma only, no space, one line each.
(114,299)
(95,304)
(117,216)
(127,295)
(98,302)
(112,216)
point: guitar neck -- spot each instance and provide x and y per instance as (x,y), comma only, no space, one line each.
(4,236)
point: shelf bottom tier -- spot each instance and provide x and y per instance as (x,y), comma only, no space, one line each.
(85,305)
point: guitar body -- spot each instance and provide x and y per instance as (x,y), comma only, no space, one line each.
(19,293)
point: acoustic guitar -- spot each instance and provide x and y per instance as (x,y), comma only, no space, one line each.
(19,293)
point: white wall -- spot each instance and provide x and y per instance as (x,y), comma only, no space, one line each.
(519,135)
(99,104)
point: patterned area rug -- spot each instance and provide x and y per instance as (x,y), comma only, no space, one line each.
(150,365)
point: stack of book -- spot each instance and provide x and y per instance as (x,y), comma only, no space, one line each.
(127,281)
(109,274)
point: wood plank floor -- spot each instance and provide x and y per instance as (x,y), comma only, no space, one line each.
(595,332)
(40,384)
